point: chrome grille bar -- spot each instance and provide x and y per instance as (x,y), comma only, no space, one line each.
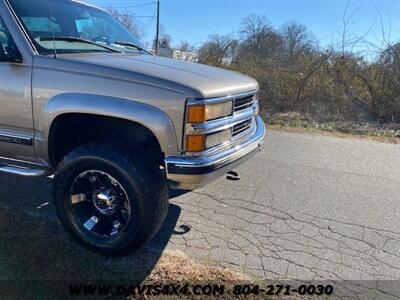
(242,126)
(244,102)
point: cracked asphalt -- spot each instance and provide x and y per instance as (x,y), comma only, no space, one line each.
(307,207)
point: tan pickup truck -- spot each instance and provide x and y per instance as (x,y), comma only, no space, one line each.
(80,98)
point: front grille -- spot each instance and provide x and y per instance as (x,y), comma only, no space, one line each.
(243,102)
(242,127)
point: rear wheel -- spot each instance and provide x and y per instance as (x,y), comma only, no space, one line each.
(111,202)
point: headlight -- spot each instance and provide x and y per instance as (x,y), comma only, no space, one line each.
(208,112)
(198,143)
(218,138)
(195,143)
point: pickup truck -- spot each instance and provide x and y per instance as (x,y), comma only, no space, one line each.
(115,126)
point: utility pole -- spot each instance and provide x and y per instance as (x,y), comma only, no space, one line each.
(158,27)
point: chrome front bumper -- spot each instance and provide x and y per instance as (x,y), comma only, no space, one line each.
(189,173)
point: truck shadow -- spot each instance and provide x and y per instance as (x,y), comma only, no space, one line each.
(36,251)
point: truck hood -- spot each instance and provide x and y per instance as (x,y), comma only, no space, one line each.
(206,80)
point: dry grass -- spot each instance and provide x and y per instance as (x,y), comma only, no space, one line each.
(380,139)
(178,267)
(175,267)
(303,123)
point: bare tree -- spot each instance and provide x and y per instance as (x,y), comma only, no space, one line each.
(185,46)
(128,19)
(165,40)
(218,50)
(296,75)
(297,38)
(259,37)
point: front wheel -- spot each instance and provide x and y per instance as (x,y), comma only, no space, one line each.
(111,202)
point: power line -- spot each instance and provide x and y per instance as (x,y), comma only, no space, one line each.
(134,5)
(151,21)
(157,15)
(134,16)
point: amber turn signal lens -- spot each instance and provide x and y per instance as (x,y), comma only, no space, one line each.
(194,143)
(196,114)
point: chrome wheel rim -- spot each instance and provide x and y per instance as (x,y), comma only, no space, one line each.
(100,204)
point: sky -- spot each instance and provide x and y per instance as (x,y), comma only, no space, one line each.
(195,20)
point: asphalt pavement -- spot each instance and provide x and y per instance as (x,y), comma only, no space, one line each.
(307,207)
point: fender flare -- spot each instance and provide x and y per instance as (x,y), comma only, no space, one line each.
(157,121)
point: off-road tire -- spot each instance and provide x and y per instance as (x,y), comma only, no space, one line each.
(144,184)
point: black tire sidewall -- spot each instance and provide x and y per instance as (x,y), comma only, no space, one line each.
(134,234)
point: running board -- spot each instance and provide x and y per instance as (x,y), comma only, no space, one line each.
(24,171)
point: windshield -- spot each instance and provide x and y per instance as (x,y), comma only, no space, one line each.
(66,20)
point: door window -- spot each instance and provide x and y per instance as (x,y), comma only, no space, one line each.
(4,34)
(7,44)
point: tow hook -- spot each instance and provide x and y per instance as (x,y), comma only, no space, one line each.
(233,175)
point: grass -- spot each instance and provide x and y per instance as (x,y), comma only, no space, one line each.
(294,122)
(175,267)
(178,267)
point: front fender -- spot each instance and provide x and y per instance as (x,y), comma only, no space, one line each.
(149,116)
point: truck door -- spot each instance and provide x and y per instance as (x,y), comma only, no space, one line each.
(16,121)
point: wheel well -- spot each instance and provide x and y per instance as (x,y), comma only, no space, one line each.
(71,130)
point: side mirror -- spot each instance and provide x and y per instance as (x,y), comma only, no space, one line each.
(9,56)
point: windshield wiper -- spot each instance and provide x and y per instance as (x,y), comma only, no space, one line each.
(132,45)
(77,39)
